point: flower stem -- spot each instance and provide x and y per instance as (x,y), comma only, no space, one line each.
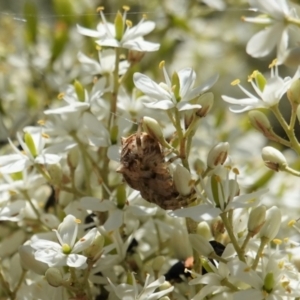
(228,226)
(288,130)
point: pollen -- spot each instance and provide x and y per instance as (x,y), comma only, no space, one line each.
(41,122)
(60,96)
(252,76)
(126,7)
(292,223)
(161,64)
(277,241)
(100,8)
(236,171)
(235,82)
(77,221)
(128,23)
(145,16)
(273,63)
(45,135)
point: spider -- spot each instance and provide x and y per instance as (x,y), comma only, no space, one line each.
(144,168)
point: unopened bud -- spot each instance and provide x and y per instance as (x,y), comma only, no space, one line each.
(206,101)
(158,263)
(272,223)
(259,121)
(152,127)
(256,219)
(73,158)
(273,159)
(182,180)
(293,92)
(54,277)
(292,57)
(217,155)
(95,248)
(134,56)
(203,229)
(298,113)
(201,245)
(55,173)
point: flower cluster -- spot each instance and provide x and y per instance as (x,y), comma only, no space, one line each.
(118,182)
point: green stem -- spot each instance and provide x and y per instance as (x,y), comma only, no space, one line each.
(288,130)
(21,279)
(114,96)
(233,240)
(263,242)
(246,241)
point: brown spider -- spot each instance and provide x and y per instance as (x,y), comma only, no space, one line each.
(144,168)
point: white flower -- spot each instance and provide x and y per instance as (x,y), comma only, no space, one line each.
(131,292)
(129,37)
(276,14)
(116,214)
(32,153)
(271,283)
(65,252)
(222,194)
(12,211)
(173,93)
(269,93)
(105,65)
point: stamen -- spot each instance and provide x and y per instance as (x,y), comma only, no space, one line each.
(273,63)
(77,221)
(41,122)
(45,135)
(161,64)
(100,8)
(60,96)
(126,7)
(128,23)
(235,82)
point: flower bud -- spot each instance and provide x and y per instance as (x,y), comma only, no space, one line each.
(272,223)
(73,158)
(152,127)
(293,92)
(135,57)
(95,248)
(54,277)
(292,57)
(158,263)
(217,155)
(201,245)
(206,101)
(259,121)
(55,173)
(182,180)
(203,229)
(256,219)
(28,261)
(298,113)
(273,159)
